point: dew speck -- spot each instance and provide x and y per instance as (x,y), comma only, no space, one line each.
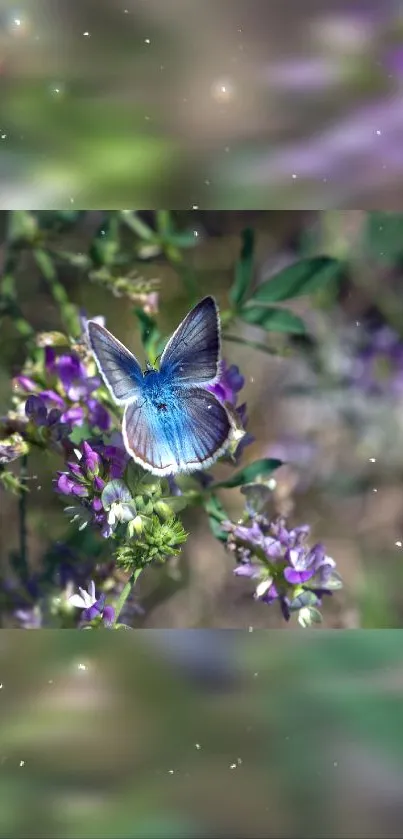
(294,176)
(1,685)
(86,34)
(250,628)
(82,666)
(197,746)
(195,206)
(22,762)
(147,41)
(374,490)
(335,763)
(398,543)
(255,675)
(372,460)
(170,771)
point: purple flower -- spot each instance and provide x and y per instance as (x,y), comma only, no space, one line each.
(30,618)
(283,565)
(226,389)
(65,384)
(70,487)
(377,367)
(98,415)
(36,410)
(91,459)
(106,500)
(229,383)
(118,502)
(92,606)
(25,383)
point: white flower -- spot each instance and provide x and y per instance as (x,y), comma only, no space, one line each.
(85,599)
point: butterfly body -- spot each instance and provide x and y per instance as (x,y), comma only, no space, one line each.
(171,422)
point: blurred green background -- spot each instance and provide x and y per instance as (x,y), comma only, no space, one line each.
(343,478)
(105,735)
(218,105)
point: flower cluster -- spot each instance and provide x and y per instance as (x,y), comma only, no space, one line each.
(286,569)
(226,389)
(94,610)
(64,391)
(377,368)
(95,480)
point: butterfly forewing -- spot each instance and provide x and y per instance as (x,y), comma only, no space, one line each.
(119,368)
(192,354)
(189,436)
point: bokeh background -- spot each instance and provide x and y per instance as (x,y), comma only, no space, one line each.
(237,103)
(343,450)
(301,737)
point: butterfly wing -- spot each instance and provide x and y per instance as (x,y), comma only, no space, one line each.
(118,367)
(192,431)
(192,354)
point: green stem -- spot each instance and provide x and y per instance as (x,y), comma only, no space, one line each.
(253,344)
(8,295)
(67,310)
(22,508)
(125,593)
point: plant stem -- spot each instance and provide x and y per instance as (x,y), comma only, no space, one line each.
(8,295)
(67,310)
(22,509)
(253,344)
(125,593)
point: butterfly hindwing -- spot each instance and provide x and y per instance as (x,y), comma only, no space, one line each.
(188,434)
(191,356)
(119,368)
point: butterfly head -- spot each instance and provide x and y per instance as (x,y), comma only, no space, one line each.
(150,368)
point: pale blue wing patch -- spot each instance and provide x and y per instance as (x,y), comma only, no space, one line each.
(186,435)
(118,367)
(192,354)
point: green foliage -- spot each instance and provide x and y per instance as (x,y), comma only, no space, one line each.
(149,332)
(249,473)
(303,277)
(216,515)
(243,269)
(158,541)
(273,319)
(383,238)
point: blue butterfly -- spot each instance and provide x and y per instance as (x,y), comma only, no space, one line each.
(171,423)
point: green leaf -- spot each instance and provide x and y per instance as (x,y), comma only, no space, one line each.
(105,245)
(132,220)
(164,223)
(274,319)
(243,268)
(176,503)
(304,277)
(249,473)
(185,239)
(149,331)
(384,236)
(80,433)
(216,515)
